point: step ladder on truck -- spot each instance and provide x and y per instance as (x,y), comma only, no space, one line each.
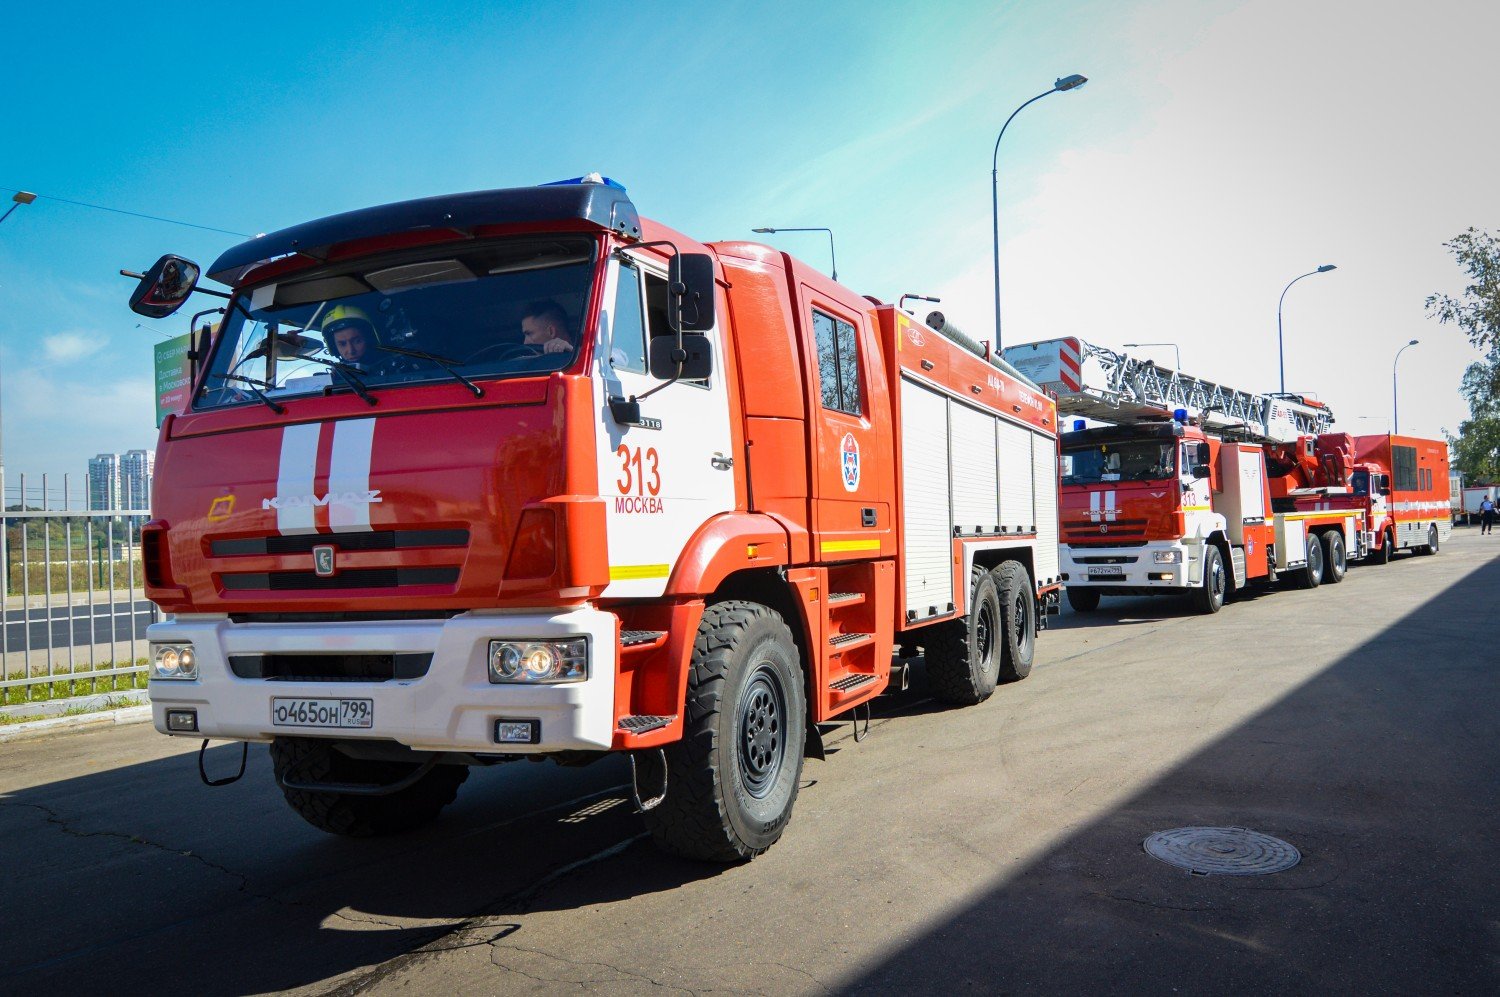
(1190,486)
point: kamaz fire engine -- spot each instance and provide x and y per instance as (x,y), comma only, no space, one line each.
(1193,486)
(687,515)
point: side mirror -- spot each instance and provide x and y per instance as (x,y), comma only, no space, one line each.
(690,293)
(694,362)
(1202,471)
(1204,457)
(165,287)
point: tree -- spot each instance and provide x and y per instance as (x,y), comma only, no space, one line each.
(1477,312)
(1475,450)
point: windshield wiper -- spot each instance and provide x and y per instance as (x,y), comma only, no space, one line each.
(345,371)
(254,387)
(443,362)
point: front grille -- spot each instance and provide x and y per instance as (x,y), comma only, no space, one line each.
(354,578)
(303,543)
(365,616)
(1095,542)
(1117,559)
(330,667)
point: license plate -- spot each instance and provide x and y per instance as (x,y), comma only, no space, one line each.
(1106,571)
(323,712)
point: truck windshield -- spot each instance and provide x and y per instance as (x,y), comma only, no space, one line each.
(499,309)
(1131,460)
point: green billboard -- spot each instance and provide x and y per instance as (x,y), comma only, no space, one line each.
(173,377)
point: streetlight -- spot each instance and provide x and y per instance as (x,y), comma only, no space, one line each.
(20,197)
(1063,83)
(1176,352)
(830,242)
(1280,351)
(1395,409)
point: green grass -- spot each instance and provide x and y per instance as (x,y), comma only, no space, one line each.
(111,703)
(68,685)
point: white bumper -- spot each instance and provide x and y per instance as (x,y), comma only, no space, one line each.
(1137,565)
(453,707)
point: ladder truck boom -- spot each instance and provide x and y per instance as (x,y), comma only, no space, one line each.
(1096,382)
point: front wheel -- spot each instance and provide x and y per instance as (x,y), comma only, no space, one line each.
(1083,600)
(311,760)
(1382,554)
(733,777)
(1335,557)
(1208,597)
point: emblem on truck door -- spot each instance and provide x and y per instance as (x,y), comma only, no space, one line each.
(850,451)
(323,564)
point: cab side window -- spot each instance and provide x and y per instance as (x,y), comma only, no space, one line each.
(838,363)
(627,349)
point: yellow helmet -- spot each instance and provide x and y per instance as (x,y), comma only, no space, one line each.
(344,316)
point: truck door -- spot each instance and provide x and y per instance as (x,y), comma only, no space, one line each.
(850,454)
(659,484)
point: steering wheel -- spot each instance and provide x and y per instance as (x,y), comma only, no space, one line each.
(508,351)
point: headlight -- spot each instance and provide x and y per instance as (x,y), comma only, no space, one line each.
(1169,557)
(173,661)
(531,662)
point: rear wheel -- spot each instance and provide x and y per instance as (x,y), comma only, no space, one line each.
(308,759)
(1017,620)
(1431,547)
(1209,596)
(963,656)
(1335,557)
(733,777)
(1310,575)
(1083,600)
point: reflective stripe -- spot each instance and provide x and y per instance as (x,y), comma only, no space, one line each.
(349,472)
(626,572)
(294,476)
(843,546)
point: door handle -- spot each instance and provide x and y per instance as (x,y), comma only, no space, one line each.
(721,462)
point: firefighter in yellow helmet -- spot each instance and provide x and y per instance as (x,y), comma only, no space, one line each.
(350,336)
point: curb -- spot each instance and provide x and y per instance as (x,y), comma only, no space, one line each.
(67,725)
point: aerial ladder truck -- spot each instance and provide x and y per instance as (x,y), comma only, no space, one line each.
(1191,486)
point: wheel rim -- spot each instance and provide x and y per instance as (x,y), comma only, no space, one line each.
(1432,538)
(984,634)
(762,732)
(1018,613)
(1216,581)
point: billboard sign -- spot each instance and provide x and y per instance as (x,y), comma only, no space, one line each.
(173,377)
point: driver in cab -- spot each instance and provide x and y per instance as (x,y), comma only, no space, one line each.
(350,336)
(544,327)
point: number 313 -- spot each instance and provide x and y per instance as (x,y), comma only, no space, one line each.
(646,477)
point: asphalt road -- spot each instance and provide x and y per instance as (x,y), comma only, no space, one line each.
(995,848)
(97,624)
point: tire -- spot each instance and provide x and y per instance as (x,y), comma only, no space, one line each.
(963,656)
(1335,557)
(1431,547)
(1208,597)
(1382,554)
(1310,576)
(307,759)
(1083,600)
(733,777)
(1017,620)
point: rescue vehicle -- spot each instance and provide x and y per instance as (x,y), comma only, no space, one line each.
(1160,501)
(690,519)
(1405,483)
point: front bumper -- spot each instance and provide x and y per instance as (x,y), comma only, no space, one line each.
(1138,566)
(453,707)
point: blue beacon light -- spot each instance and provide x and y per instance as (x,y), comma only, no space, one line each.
(1078,425)
(1180,415)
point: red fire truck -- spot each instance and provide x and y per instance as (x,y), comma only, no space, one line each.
(517,473)
(1162,501)
(1405,484)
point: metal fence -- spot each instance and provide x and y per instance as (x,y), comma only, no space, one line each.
(75,614)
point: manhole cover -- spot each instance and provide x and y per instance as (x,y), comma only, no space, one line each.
(1222,851)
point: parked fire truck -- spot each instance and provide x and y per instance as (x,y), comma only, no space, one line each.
(517,473)
(1193,486)
(1404,481)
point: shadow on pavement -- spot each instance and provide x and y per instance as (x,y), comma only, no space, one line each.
(1383,769)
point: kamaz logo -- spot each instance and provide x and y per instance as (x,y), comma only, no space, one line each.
(371,497)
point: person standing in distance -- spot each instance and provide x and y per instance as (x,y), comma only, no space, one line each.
(1486,515)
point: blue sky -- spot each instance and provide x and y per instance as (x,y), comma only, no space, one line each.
(1219,150)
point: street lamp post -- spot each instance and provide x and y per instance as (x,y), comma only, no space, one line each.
(20,197)
(833,259)
(1395,405)
(1063,83)
(1280,350)
(1175,352)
